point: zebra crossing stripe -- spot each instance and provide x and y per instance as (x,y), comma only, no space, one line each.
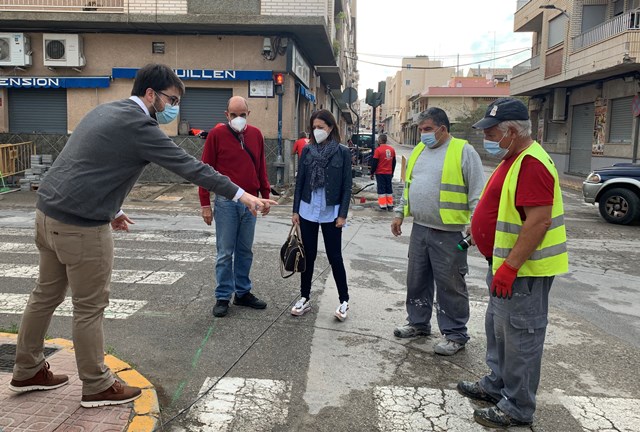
(117,276)
(413,409)
(417,409)
(604,414)
(124,253)
(243,404)
(130,236)
(118,309)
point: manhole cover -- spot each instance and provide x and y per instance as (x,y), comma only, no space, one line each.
(8,356)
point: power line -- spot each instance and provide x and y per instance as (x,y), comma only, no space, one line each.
(439,67)
(441,56)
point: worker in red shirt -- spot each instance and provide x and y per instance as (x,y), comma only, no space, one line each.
(383,164)
(299,144)
(235,149)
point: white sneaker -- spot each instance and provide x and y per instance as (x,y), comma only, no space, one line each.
(301,307)
(341,312)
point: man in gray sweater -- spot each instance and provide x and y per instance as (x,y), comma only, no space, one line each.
(77,201)
(444,179)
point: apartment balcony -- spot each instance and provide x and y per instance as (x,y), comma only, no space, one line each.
(629,21)
(310,27)
(526,66)
(92,6)
(528,16)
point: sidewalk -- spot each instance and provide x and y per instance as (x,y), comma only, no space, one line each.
(59,409)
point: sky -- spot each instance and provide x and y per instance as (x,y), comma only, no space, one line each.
(477,30)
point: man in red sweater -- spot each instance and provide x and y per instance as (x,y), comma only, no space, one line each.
(236,150)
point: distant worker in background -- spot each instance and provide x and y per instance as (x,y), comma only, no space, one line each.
(235,149)
(299,144)
(383,165)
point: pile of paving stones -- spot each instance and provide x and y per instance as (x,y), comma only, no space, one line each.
(40,164)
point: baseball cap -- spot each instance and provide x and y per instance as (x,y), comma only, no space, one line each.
(503,109)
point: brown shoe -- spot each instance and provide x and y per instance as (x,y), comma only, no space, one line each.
(117,394)
(43,380)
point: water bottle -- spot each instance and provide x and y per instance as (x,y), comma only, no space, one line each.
(464,243)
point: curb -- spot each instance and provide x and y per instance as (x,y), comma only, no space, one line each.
(146,409)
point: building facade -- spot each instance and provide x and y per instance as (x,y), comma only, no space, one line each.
(417,73)
(583,79)
(64,57)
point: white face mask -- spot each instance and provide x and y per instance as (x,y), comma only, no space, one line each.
(320,135)
(238,123)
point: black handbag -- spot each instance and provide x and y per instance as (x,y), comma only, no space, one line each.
(292,256)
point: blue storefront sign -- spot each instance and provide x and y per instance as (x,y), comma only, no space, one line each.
(203,74)
(307,94)
(54,82)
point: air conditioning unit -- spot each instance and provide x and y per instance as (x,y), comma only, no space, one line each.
(15,49)
(559,105)
(62,50)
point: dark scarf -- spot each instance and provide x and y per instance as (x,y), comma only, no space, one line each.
(321,155)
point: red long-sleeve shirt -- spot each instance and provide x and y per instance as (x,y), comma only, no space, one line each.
(225,154)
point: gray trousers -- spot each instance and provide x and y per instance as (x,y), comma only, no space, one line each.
(515,339)
(80,258)
(436,266)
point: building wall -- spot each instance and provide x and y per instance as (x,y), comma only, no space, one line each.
(156,6)
(292,7)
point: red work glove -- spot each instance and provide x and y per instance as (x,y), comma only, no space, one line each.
(502,285)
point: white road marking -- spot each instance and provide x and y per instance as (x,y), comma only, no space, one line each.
(130,236)
(604,414)
(117,309)
(241,404)
(118,276)
(142,254)
(417,409)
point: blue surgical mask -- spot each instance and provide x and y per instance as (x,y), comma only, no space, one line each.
(168,115)
(494,149)
(428,139)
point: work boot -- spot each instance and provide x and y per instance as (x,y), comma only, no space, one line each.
(43,380)
(473,390)
(494,417)
(410,331)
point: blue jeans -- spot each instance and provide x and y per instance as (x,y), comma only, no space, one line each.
(235,228)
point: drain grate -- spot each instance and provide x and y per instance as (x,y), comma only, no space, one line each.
(8,356)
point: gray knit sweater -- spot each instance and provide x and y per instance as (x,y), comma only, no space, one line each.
(103,159)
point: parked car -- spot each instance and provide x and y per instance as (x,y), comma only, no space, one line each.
(363,140)
(616,189)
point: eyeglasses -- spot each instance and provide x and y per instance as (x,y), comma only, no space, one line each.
(175,101)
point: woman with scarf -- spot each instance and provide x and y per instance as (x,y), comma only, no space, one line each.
(322,196)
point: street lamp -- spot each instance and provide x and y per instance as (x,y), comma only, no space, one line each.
(554,7)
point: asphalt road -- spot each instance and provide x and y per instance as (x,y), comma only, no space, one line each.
(277,372)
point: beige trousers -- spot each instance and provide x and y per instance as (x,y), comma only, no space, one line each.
(80,258)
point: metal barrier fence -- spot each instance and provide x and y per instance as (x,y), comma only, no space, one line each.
(15,158)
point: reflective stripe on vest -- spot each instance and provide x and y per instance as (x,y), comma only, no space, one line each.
(550,257)
(454,200)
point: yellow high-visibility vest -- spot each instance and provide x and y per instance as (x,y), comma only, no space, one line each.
(454,200)
(550,257)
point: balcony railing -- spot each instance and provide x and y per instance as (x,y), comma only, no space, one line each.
(620,24)
(109,6)
(521,4)
(526,66)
